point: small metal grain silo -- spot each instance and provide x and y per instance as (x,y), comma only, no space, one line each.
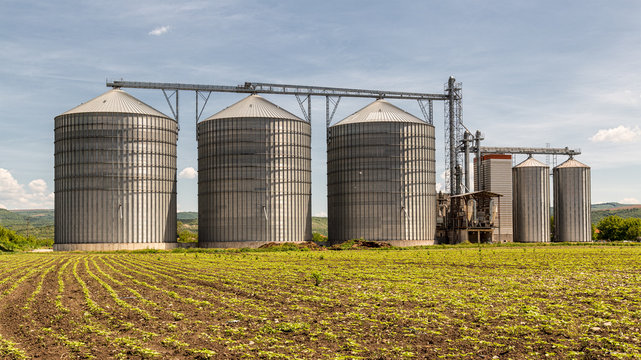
(531,201)
(254,176)
(381,177)
(115,176)
(572,207)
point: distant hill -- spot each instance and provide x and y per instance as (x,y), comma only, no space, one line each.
(40,223)
(319,225)
(600,211)
(187,215)
(612,205)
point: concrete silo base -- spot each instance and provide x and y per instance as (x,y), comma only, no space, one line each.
(241,244)
(114,247)
(396,243)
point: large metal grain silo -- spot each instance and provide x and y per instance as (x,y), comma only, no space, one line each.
(381,177)
(572,209)
(531,201)
(254,176)
(115,176)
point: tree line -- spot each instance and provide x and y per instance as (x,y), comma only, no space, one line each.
(11,241)
(616,228)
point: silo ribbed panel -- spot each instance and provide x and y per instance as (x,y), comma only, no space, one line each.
(381,180)
(531,201)
(254,176)
(572,202)
(496,170)
(115,180)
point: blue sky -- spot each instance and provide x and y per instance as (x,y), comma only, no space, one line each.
(533,72)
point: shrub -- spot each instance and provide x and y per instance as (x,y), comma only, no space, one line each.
(318,278)
(319,238)
(616,228)
(187,236)
(633,228)
(10,241)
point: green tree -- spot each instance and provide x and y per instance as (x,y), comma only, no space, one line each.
(187,236)
(10,241)
(612,228)
(317,237)
(632,228)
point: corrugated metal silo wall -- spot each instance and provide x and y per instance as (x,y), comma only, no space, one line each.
(115,181)
(572,209)
(498,179)
(254,182)
(381,183)
(531,211)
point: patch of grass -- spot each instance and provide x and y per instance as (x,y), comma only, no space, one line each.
(317,278)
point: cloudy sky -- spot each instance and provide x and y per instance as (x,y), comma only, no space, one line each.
(533,72)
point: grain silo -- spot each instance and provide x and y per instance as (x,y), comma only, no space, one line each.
(381,177)
(572,217)
(531,201)
(115,176)
(496,176)
(254,176)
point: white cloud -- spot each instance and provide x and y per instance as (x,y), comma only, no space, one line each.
(2,206)
(619,134)
(159,31)
(321,214)
(188,173)
(8,185)
(38,186)
(630,201)
(14,195)
(439,187)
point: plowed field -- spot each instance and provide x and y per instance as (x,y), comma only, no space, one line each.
(535,302)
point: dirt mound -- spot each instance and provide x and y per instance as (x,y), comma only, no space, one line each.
(309,245)
(360,244)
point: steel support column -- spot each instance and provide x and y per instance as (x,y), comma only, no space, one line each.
(452,135)
(466,166)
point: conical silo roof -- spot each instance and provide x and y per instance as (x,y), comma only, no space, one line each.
(531,162)
(115,101)
(254,106)
(380,111)
(572,163)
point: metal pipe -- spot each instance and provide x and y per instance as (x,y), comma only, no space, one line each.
(459,174)
(466,150)
(478,159)
(452,119)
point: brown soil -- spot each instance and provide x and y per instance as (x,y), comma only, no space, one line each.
(627,207)
(308,305)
